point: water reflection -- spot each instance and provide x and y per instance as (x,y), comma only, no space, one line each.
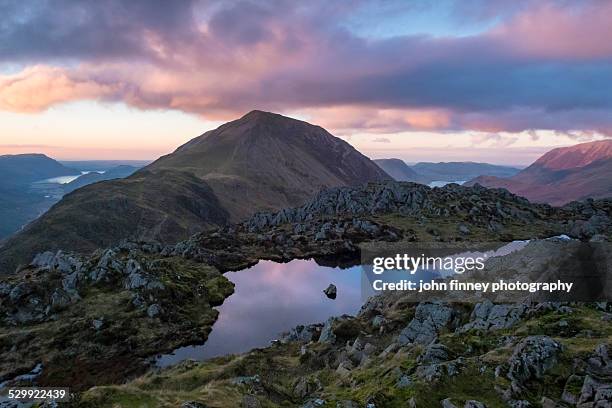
(271,298)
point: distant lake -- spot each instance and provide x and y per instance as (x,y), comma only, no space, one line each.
(442,183)
(65,179)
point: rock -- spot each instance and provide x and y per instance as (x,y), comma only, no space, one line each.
(250,401)
(97,324)
(347,404)
(599,394)
(447,403)
(154,310)
(378,321)
(434,353)
(327,335)
(302,333)
(306,386)
(488,316)
(314,403)
(474,404)
(404,381)
(428,320)
(60,299)
(19,291)
(43,260)
(331,291)
(391,348)
(193,404)
(531,358)
(463,229)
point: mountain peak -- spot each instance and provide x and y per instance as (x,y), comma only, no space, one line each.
(258,115)
(576,156)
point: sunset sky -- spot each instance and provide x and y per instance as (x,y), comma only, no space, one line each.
(483,80)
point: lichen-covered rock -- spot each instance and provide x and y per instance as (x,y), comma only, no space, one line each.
(531,359)
(428,320)
(488,316)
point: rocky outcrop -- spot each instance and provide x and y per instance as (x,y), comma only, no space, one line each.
(488,316)
(429,320)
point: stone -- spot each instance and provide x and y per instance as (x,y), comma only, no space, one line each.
(429,319)
(434,353)
(447,403)
(331,291)
(193,404)
(404,381)
(474,404)
(97,324)
(250,401)
(378,321)
(154,310)
(347,404)
(532,358)
(488,316)
(314,403)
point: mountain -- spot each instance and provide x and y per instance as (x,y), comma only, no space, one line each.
(21,169)
(18,203)
(265,160)
(461,171)
(562,175)
(262,161)
(400,171)
(94,177)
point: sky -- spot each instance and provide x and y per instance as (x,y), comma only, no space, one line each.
(482,80)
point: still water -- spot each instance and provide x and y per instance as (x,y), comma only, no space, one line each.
(271,298)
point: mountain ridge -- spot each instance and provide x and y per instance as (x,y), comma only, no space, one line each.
(562,175)
(262,161)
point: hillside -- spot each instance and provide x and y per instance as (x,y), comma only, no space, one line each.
(400,171)
(461,171)
(261,161)
(20,169)
(562,175)
(121,171)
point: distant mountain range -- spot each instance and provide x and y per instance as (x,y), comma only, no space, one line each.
(28,188)
(426,173)
(562,175)
(262,161)
(21,169)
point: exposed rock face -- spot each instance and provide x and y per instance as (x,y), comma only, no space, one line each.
(407,199)
(531,359)
(428,320)
(488,316)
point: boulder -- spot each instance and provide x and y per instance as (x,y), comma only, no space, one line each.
(428,320)
(331,291)
(531,359)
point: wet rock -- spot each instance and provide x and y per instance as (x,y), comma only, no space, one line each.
(331,291)
(429,319)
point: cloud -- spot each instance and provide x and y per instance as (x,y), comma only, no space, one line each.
(544,65)
(381,140)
